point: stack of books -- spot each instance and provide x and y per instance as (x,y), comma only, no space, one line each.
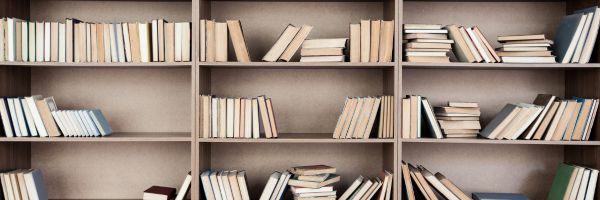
(459,119)
(364,188)
(420,183)
(360,114)
(224,185)
(426,43)
(213,41)
(159,193)
(547,118)
(323,50)
(470,45)
(576,36)
(236,117)
(525,49)
(415,109)
(23,184)
(573,182)
(36,116)
(371,41)
(288,43)
(77,41)
(313,182)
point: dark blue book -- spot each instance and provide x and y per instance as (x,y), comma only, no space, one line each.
(498,196)
(567,35)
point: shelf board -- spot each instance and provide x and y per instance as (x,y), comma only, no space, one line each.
(101,65)
(298,65)
(488,141)
(295,138)
(115,137)
(463,65)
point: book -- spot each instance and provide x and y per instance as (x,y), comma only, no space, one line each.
(355,43)
(220,42)
(210,41)
(312,170)
(159,193)
(335,51)
(460,46)
(333,178)
(183,190)
(365,40)
(592,33)
(375,39)
(281,44)
(237,39)
(528,59)
(423,26)
(567,34)
(521,37)
(270,186)
(353,187)
(295,44)
(323,59)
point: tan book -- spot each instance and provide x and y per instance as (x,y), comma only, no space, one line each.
(348,120)
(94,42)
(462,136)
(414,116)
(405,118)
(234,185)
(539,132)
(31,42)
(428,45)
(382,117)
(365,40)
(391,111)
(45,108)
(356,117)
(238,41)
(555,120)
(295,43)
(236,117)
(411,36)
(445,41)
(161,40)
(169,42)
(515,124)
(221,42)
(582,119)
(460,131)
(18,41)
(88,41)
(561,128)
(463,104)
(430,59)
(487,45)
(462,110)
(242,123)
(572,122)
(521,37)
(452,187)
(372,116)
(281,44)
(407,181)
(523,49)
(262,106)
(312,170)
(386,41)
(426,187)
(333,178)
(322,52)
(313,178)
(459,124)
(459,118)
(272,118)
(127,42)
(375,34)
(470,44)
(210,41)
(222,118)
(525,53)
(206,114)
(100,42)
(364,118)
(426,50)
(418,184)
(342,118)
(134,42)
(460,47)
(202,40)
(354,43)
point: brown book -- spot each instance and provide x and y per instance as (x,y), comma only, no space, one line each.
(365,40)
(262,106)
(100,40)
(539,132)
(562,123)
(430,59)
(459,124)
(375,34)
(236,117)
(452,187)
(281,44)
(238,41)
(295,43)
(460,47)
(272,117)
(312,170)
(170,42)
(572,122)
(333,178)
(354,43)
(45,108)
(486,44)
(159,192)
(161,40)
(521,37)
(210,41)
(221,42)
(582,119)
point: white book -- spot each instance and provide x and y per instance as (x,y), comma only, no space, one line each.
(3,184)
(589,119)
(127,42)
(215,117)
(227,185)
(88,119)
(279,189)
(352,188)
(576,184)
(2,39)
(582,38)
(72,123)
(144,42)
(230,112)
(87,130)
(31,42)
(222,186)
(47,41)
(241,178)
(9,189)
(39,41)
(155,40)
(301,190)
(13,116)
(79,131)
(184,187)
(592,185)
(573,43)
(206,185)
(24,40)
(361,190)
(478,45)
(88,42)
(29,118)
(114,56)
(101,122)
(186,47)
(202,40)
(11,31)
(35,185)
(248,118)
(107,43)
(21,117)
(69,129)
(120,42)
(178,42)
(214,182)
(59,122)
(270,186)
(433,181)
(371,192)
(255,126)
(62,43)
(584,183)
(5,115)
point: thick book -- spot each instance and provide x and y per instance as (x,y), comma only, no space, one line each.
(169,43)
(270,186)
(335,51)
(590,40)
(281,44)
(354,43)
(386,41)
(295,43)
(567,34)
(35,184)
(220,42)
(312,170)
(365,40)
(375,39)
(238,41)
(333,178)
(460,45)
(159,193)
(498,196)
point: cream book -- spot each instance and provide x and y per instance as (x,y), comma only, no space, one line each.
(281,44)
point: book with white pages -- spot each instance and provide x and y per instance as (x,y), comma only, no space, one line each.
(21,117)
(77,131)
(183,190)
(82,125)
(270,186)
(35,114)
(13,116)
(101,122)
(88,128)
(71,131)
(90,122)
(281,185)
(300,190)
(59,122)
(6,119)
(206,185)
(241,176)
(35,185)
(361,190)
(592,184)
(214,182)
(584,184)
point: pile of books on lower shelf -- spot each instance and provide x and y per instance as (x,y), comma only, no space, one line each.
(372,41)
(547,118)
(236,117)
(36,116)
(420,183)
(213,41)
(459,119)
(323,50)
(573,182)
(526,49)
(313,182)
(426,43)
(23,184)
(224,185)
(78,41)
(365,188)
(362,117)
(168,193)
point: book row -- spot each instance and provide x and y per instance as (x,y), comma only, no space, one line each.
(372,41)
(360,114)
(236,117)
(168,193)
(36,116)
(547,118)
(77,41)
(573,182)
(23,184)
(220,185)
(367,188)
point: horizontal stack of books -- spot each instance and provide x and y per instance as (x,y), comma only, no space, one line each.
(426,43)
(77,41)
(576,36)
(213,41)
(313,182)
(526,49)
(364,188)
(168,193)
(459,119)
(224,185)
(470,45)
(23,184)
(415,109)
(360,114)
(372,41)
(323,50)
(573,182)
(548,118)
(420,183)
(288,43)
(236,117)
(36,116)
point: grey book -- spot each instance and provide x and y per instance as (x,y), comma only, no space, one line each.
(567,36)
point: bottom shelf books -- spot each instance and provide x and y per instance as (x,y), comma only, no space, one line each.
(428,185)
(23,184)
(365,188)
(219,185)
(573,182)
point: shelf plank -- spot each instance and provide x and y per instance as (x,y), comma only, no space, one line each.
(115,137)
(298,65)
(493,66)
(296,138)
(488,141)
(100,65)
